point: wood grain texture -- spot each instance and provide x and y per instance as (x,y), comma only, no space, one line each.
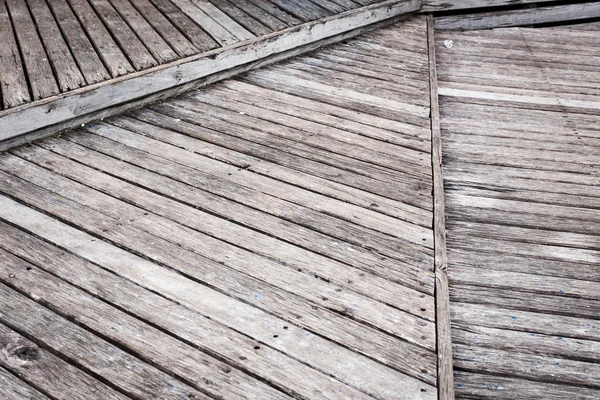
(275,275)
(442,297)
(41,77)
(67,73)
(13,85)
(522,231)
(526,16)
(226,61)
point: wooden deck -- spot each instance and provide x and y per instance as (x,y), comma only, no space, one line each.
(267,237)
(66,62)
(69,44)
(520,118)
(406,214)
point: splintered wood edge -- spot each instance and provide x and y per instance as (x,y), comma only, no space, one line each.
(442,298)
(49,116)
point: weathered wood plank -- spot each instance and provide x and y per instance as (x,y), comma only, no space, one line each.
(416,277)
(334,359)
(224,20)
(153,346)
(473,385)
(526,16)
(200,39)
(178,320)
(13,85)
(212,27)
(254,26)
(187,74)
(12,387)
(39,72)
(82,49)
(90,352)
(132,46)
(44,370)
(169,33)
(445,372)
(67,73)
(152,40)
(443,5)
(114,60)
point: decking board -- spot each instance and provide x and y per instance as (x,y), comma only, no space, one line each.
(291,249)
(522,204)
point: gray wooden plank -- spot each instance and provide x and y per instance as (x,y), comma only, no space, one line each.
(112,56)
(224,20)
(169,33)
(262,14)
(336,360)
(162,351)
(274,11)
(132,47)
(138,22)
(317,161)
(527,16)
(241,17)
(13,84)
(400,269)
(200,39)
(177,319)
(445,371)
(12,387)
(41,368)
(103,359)
(67,72)
(474,385)
(304,10)
(83,51)
(193,72)
(443,5)
(328,226)
(202,19)
(337,274)
(39,72)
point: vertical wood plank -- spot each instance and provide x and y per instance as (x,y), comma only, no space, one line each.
(13,85)
(182,46)
(442,297)
(200,39)
(39,72)
(153,41)
(131,45)
(67,73)
(89,62)
(106,47)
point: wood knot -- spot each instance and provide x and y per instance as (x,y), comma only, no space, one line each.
(24,353)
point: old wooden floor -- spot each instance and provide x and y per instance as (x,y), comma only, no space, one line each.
(520,112)
(271,236)
(267,237)
(69,44)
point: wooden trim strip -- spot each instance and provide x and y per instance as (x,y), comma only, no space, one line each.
(442,297)
(445,5)
(527,16)
(48,116)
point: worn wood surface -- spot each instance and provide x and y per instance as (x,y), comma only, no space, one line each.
(68,44)
(521,17)
(288,256)
(442,299)
(60,112)
(521,177)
